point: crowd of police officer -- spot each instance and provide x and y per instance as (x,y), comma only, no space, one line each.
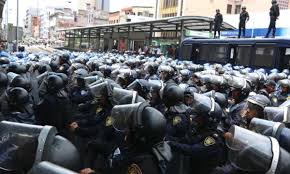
(135,114)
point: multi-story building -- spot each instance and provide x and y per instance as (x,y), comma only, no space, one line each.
(99,5)
(136,14)
(284,4)
(32,22)
(53,19)
(93,12)
(170,8)
(132,14)
(114,17)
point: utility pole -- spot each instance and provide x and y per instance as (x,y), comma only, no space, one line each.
(7,28)
(156,9)
(17,25)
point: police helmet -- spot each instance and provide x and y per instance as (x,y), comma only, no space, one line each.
(17,96)
(208,109)
(141,86)
(42,68)
(54,83)
(106,70)
(64,58)
(20,82)
(286,71)
(151,68)
(284,83)
(189,91)
(4,61)
(220,98)
(80,73)
(172,95)
(260,100)
(3,80)
(146,124)
(63,68)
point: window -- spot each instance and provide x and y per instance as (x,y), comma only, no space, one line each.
(186,52)
(213,53)
(229,9)
(243,55)
(285,55)
(264,56)
(128,20)
(139,13)
(238,9)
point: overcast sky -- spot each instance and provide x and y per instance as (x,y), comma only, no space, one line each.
(115,5)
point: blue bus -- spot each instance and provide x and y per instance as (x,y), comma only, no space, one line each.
(254,53)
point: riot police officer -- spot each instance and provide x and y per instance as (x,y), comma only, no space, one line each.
(218,20)
(239,91)
(269,89)
(3,86)
(189,95)
(141,86)
(274,14)
(146,151)
(255,107)
(81,97)
(283,92)
(244,17)
(151,71)
(18,106)
(203,143)
(54,108)
(155,95)
(166,74)
(178,123)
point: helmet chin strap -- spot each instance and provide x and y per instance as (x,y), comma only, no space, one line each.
(276,154)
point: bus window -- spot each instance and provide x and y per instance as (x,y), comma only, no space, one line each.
(285,55)
(243,55)
(264,56)
(186,52)
(213,53)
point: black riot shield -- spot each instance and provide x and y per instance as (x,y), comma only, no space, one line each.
(49,168)
(23,146)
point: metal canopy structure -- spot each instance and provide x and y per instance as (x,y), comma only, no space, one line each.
(173,24)
(197,23)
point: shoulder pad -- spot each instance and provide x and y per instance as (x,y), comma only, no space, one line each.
(134,169)
(176,120)
(209,141)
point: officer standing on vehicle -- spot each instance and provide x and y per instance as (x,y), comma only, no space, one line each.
(244,17)
(274,14)
(218,20)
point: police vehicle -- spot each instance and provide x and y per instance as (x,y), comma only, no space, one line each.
(255,53)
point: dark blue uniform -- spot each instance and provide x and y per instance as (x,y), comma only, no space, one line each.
(103,139)
(234,116)
(136,162)
(81,98)
(206,151)
(178,125)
